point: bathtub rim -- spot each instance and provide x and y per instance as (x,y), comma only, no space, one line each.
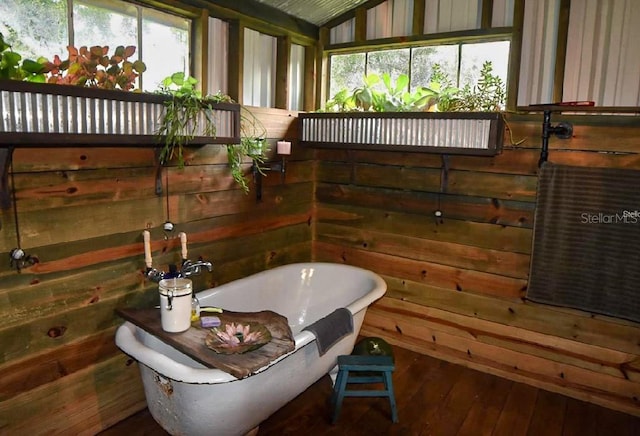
(127,341)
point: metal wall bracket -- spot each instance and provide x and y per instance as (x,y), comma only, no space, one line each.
(562,131)
(6,153)
(158,172)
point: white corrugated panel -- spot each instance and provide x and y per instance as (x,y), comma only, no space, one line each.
(296,78)
(259,75)
(391,18)
(502,15)
(402,18)
(603,58)
(218,59)
(537,65)
(343,33)
(451,15)
(379,20)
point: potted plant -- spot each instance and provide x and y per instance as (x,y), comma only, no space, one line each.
(188,113)
(438,118)
(95,68)
(177,113)
(94,103)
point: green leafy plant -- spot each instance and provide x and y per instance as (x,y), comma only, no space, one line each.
(442,93)
(253,145)
(189,112)
(186,113)
(13,67)
(93,67)
(380,94)
(488,95)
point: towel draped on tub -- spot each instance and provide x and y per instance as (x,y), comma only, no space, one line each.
(330,329)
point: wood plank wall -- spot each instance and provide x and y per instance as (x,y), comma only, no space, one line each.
(81,211)
(456,285)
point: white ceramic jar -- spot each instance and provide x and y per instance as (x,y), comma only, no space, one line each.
(175,304)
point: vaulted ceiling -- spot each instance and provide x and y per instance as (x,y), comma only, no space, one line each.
(317,12)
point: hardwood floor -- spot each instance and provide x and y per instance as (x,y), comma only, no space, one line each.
(434,398)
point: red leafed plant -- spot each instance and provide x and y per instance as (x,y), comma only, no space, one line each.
(93,67)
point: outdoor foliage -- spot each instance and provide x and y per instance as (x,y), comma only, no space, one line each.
(380,94)
(33,27)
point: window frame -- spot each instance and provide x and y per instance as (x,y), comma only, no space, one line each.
(449,38)
(160,13)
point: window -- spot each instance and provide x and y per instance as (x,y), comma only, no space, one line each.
(347,72)
(461,63)
(44,28)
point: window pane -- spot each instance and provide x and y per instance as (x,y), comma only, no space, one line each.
(99,25)
(347,72)
(35,29)
(393,62)
(165,47)
(424,59)
(475,55)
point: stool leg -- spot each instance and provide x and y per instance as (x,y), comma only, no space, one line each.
(388,383)
(338,393)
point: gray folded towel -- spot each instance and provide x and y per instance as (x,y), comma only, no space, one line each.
(331,329)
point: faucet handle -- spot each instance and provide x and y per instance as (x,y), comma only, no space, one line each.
(190,268)
(154,275)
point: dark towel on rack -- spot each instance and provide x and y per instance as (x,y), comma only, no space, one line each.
(586,236)
(331,329)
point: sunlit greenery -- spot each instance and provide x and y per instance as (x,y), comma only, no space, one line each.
(457,76)
(379,93)
(41,28)
(35,27)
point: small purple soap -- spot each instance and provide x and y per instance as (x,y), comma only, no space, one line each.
(209,321)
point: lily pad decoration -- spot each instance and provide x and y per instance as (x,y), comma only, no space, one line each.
(237,338)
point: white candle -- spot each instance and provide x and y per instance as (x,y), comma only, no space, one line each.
(284,147)
(183,245)
(146,236)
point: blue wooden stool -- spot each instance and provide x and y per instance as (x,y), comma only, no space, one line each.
(372,369)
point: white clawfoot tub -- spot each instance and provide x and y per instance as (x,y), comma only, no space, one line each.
(186,398)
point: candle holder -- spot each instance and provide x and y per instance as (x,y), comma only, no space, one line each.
(283,149)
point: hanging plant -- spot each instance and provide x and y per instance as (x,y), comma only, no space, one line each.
(253,145)
(188,113)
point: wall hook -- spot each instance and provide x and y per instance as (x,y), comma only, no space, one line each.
(168,228)
(20,260)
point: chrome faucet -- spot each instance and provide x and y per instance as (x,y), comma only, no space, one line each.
(190,268)
(187,269)
(154,275)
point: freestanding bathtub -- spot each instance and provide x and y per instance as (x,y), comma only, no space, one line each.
(186,398)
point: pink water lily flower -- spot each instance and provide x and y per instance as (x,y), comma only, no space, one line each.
(237,334)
